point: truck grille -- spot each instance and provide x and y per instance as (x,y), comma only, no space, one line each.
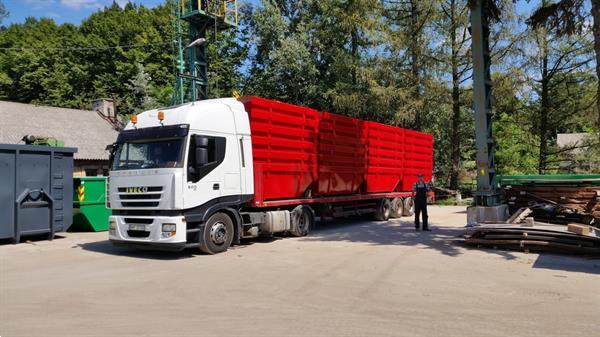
(146,196)
(138,234)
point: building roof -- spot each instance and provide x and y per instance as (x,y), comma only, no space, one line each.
(84,129)
(573,140)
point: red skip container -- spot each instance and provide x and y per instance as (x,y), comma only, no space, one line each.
(385,157)
(341,155)
(418,157)
(284,145)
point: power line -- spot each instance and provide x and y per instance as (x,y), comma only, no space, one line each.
(131,46)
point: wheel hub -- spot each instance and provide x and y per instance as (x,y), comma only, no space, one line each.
(218,233)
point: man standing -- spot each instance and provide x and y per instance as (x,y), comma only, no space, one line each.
(419,194)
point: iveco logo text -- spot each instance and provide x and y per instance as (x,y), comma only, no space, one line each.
(137,189)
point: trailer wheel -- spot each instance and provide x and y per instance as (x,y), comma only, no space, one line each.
(384,207)
(303,220)
(409,207)
(397,208)
(218,234)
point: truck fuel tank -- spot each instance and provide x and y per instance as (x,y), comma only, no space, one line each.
(276,222)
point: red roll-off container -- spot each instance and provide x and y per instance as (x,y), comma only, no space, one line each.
(418,157)
(341,155)
(284,147)
(385,157)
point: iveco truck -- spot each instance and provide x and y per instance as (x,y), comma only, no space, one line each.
(211,173)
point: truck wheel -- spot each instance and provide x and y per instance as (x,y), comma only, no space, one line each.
(409,207)
(217,235)
(382,213)
(397,208)
(303,220)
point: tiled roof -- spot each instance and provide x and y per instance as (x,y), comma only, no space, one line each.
(84,129)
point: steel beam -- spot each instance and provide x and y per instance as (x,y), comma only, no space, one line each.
(487,193)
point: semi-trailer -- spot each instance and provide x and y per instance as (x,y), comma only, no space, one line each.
(210,173)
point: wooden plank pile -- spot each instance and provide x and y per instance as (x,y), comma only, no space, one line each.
(585,200)
(556,213)
(573,239)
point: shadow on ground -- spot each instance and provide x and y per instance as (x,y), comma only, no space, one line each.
(31,239)
(106,247)
(579,264)
(397,233)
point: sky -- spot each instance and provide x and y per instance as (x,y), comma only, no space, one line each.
(74,11)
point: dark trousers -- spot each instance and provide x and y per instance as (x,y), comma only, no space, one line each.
(421,208)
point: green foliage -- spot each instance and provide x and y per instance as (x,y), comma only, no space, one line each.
(70,66)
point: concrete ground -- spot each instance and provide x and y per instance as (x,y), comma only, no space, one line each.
(352,278)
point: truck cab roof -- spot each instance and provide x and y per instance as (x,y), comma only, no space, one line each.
(222,115)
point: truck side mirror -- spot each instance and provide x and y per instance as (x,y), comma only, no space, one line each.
(112,149)
(201,156)
(201,141)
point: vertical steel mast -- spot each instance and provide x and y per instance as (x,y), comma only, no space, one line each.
(488,207)
(487,193)
(192,20)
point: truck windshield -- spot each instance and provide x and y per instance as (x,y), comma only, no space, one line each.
(137,155)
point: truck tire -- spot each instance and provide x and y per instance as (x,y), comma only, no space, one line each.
(397,208)
(303,219)
(217,235)
(384,207)
(409,207)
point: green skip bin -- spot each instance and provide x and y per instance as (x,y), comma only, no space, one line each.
(89,204)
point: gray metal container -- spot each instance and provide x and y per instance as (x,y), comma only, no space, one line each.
(36,189)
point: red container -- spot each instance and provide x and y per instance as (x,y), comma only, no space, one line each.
(300,152)
(284,145)
(418,157)
(341,155)
(385,157)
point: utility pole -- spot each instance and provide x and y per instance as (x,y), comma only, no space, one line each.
(193,18)
(487,196)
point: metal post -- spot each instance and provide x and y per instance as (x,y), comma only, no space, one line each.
(487,196)
(487,193)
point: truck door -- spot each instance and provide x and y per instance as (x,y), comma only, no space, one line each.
(246,169)
(205,176)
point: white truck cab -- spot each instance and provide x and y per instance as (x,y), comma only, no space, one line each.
(172,166)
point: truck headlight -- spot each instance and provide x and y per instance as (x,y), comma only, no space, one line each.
(168,230)
(112,227)
(169,227)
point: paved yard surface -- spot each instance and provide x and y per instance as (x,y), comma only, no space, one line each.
(352,278)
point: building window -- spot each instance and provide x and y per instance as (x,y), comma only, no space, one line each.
(91,172)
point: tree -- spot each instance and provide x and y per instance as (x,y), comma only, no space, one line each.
(566,17)
(555,59)
(282,65)
(454,24)
(411,21)
(69,66)
(3,12)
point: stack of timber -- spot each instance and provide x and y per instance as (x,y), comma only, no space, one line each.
(555,198)
(572,239)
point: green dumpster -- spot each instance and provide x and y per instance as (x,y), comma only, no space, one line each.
(89,204)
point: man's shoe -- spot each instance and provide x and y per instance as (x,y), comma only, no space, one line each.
(417,229)
(426,229)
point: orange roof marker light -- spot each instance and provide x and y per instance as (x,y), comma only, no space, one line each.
(161,116)
(134,119)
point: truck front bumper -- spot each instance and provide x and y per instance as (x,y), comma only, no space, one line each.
(147,232)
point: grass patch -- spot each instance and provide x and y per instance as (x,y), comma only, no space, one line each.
(451,201)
